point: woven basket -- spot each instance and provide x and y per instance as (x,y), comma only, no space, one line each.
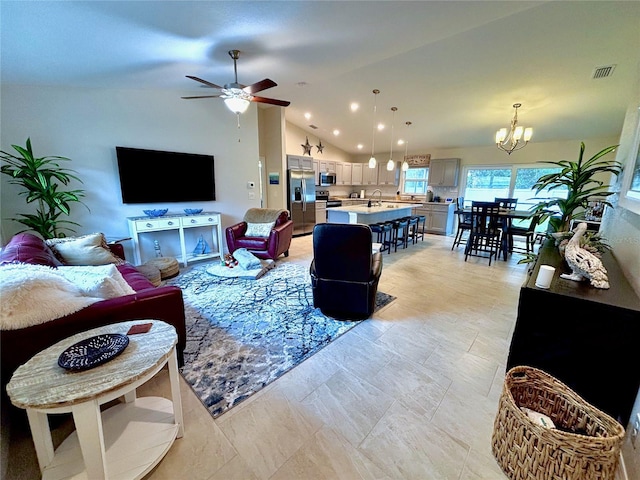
(168,266)
(527,451)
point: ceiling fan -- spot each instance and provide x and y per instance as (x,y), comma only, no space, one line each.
(237,96)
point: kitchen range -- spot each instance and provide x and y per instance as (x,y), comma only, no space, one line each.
(324,202)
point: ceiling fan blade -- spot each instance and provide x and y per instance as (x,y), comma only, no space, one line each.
(272,101)
(208,84)
(202,96)
(259,86)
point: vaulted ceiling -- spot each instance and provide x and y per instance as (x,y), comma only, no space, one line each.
(452,68)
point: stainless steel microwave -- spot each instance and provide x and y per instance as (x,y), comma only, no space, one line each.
(327,179)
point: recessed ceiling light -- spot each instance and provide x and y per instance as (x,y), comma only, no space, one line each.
(336,132)
(354,106)
(307,115)
(400,141)
(360,146)
(380,126)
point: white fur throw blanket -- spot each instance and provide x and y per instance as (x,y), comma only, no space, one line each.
(35,294)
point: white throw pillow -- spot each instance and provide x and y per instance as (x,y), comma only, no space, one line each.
(86,250)
(259,229)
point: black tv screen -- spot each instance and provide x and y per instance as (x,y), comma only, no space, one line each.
(152,176)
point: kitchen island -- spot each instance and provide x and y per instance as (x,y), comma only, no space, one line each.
(369,215)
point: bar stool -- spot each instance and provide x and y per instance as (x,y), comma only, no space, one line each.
(400,233)
(383,233)
(413,229)
(422,220)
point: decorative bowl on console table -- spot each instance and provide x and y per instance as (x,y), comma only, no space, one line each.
(156,213)
(192,211)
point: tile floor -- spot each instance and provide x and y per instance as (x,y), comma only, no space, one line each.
(409,394)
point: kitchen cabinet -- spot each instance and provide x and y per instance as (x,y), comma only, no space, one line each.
(388,177)
(439,217)
(327,166)
(356,173)
(298,162)
(316,170)
(343,173)
(443,172)
(369,175)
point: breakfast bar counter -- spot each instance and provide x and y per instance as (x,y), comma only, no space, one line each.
(369,215)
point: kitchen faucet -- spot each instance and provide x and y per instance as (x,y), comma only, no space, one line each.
(380,196)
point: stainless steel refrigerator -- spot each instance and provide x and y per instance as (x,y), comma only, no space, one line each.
(302,200)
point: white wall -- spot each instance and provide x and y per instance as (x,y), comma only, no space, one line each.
(622,228)
(272,134)
(86,125)
(296,137)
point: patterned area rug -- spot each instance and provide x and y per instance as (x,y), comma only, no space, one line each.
(243,334)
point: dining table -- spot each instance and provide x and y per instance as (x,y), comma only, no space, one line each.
(506,216)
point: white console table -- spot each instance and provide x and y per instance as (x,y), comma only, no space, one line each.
(211,220)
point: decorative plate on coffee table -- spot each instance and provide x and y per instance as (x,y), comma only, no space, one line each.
(93,351)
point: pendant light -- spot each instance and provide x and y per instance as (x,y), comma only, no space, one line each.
(390,164)
(372,160)
(405,165)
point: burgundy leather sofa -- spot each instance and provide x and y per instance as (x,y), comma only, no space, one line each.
(149,302)
(274,245)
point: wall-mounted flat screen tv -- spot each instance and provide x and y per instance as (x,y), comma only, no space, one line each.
(152,176)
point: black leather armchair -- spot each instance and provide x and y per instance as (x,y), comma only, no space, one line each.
(344,271)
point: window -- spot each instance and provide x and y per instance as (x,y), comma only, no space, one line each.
(484,184)
(415,181)
(523,188)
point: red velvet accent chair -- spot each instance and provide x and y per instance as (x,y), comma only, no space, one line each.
(273,245)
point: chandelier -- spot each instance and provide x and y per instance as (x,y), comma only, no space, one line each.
(510,142)
(372,160)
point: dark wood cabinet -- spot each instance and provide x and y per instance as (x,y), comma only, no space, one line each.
(583,336)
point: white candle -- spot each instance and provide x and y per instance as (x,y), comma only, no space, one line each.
(545,275)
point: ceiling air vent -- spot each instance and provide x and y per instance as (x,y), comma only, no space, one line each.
(603,71)
(313,126)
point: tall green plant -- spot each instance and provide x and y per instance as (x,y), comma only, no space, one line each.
(41,179)
(578,178)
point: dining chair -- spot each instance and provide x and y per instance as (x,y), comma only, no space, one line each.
(484,236)
(529,233)
(507,203)
(464,223)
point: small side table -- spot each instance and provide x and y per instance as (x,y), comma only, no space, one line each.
(125,441)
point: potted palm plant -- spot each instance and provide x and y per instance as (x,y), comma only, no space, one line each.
(578,178)
(41,179)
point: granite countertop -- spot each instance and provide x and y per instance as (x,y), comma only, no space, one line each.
(385,207)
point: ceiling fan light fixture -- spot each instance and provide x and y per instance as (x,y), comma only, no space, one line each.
(237,105)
